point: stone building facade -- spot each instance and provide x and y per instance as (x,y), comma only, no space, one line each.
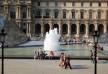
(72,18)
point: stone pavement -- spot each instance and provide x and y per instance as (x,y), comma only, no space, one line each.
(30,66)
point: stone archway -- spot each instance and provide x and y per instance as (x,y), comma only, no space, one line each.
(91,28)
(82,29)
(64,28)
(56,26)
(23,27)
(101,28)
(46,28)
(107,27)
(37,29)
(73,28)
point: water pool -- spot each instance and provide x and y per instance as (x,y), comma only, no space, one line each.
(75,50)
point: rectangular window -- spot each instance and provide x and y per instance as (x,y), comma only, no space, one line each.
(56,14)
(24,14)
(90,14)
(47,3)
(73,3)
(38,13)
(56,3)
(64,3)
(73,14)
(99,15)
(107,4)
(90,3)
(82,15)
(64,14)
(38,3)
(99,4)
(82,4)
(47,14)
(107,14)
(12,14)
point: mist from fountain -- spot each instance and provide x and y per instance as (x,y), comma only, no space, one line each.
(51,42)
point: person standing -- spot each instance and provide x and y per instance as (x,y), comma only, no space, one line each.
(35,54)
(62,59)
(67,62)
(92,56)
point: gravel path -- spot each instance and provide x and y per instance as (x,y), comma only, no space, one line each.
(30,66)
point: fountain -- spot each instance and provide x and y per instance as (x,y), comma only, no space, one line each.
(51,42)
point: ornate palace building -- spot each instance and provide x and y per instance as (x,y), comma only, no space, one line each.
(73,18)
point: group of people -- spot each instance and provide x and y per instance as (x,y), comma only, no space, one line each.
(65,61)
(92,56)
(39,54)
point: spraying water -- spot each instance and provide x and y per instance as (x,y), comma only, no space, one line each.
(51,42)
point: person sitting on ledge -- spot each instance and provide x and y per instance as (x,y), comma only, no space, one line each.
(51,55)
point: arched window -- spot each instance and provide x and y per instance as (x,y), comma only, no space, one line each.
(73,29)
(82,28)
(101,28)
(64,28)
(37,29)
(91,28)
(46,28)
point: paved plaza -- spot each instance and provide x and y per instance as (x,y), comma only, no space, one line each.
(30,66)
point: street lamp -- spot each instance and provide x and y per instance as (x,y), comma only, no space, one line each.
(95,36)
(2,40)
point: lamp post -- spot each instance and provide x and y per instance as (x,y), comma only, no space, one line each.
(95,36)
(2,40)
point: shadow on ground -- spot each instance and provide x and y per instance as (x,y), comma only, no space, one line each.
(79,67)
(103,62)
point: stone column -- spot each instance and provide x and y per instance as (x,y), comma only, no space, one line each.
(105,27)
(51,26)
(60,29)
(29,29)
(18,14)
(42,30)
(30,33)
(42,14)
(28,12)
(61,14)
(17,10)
(69,30)
(70,15)
(6,8)
(51,13)
(78,29)
(96,26)
(87,14)
(87,30)
(67,14)
(77,13)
